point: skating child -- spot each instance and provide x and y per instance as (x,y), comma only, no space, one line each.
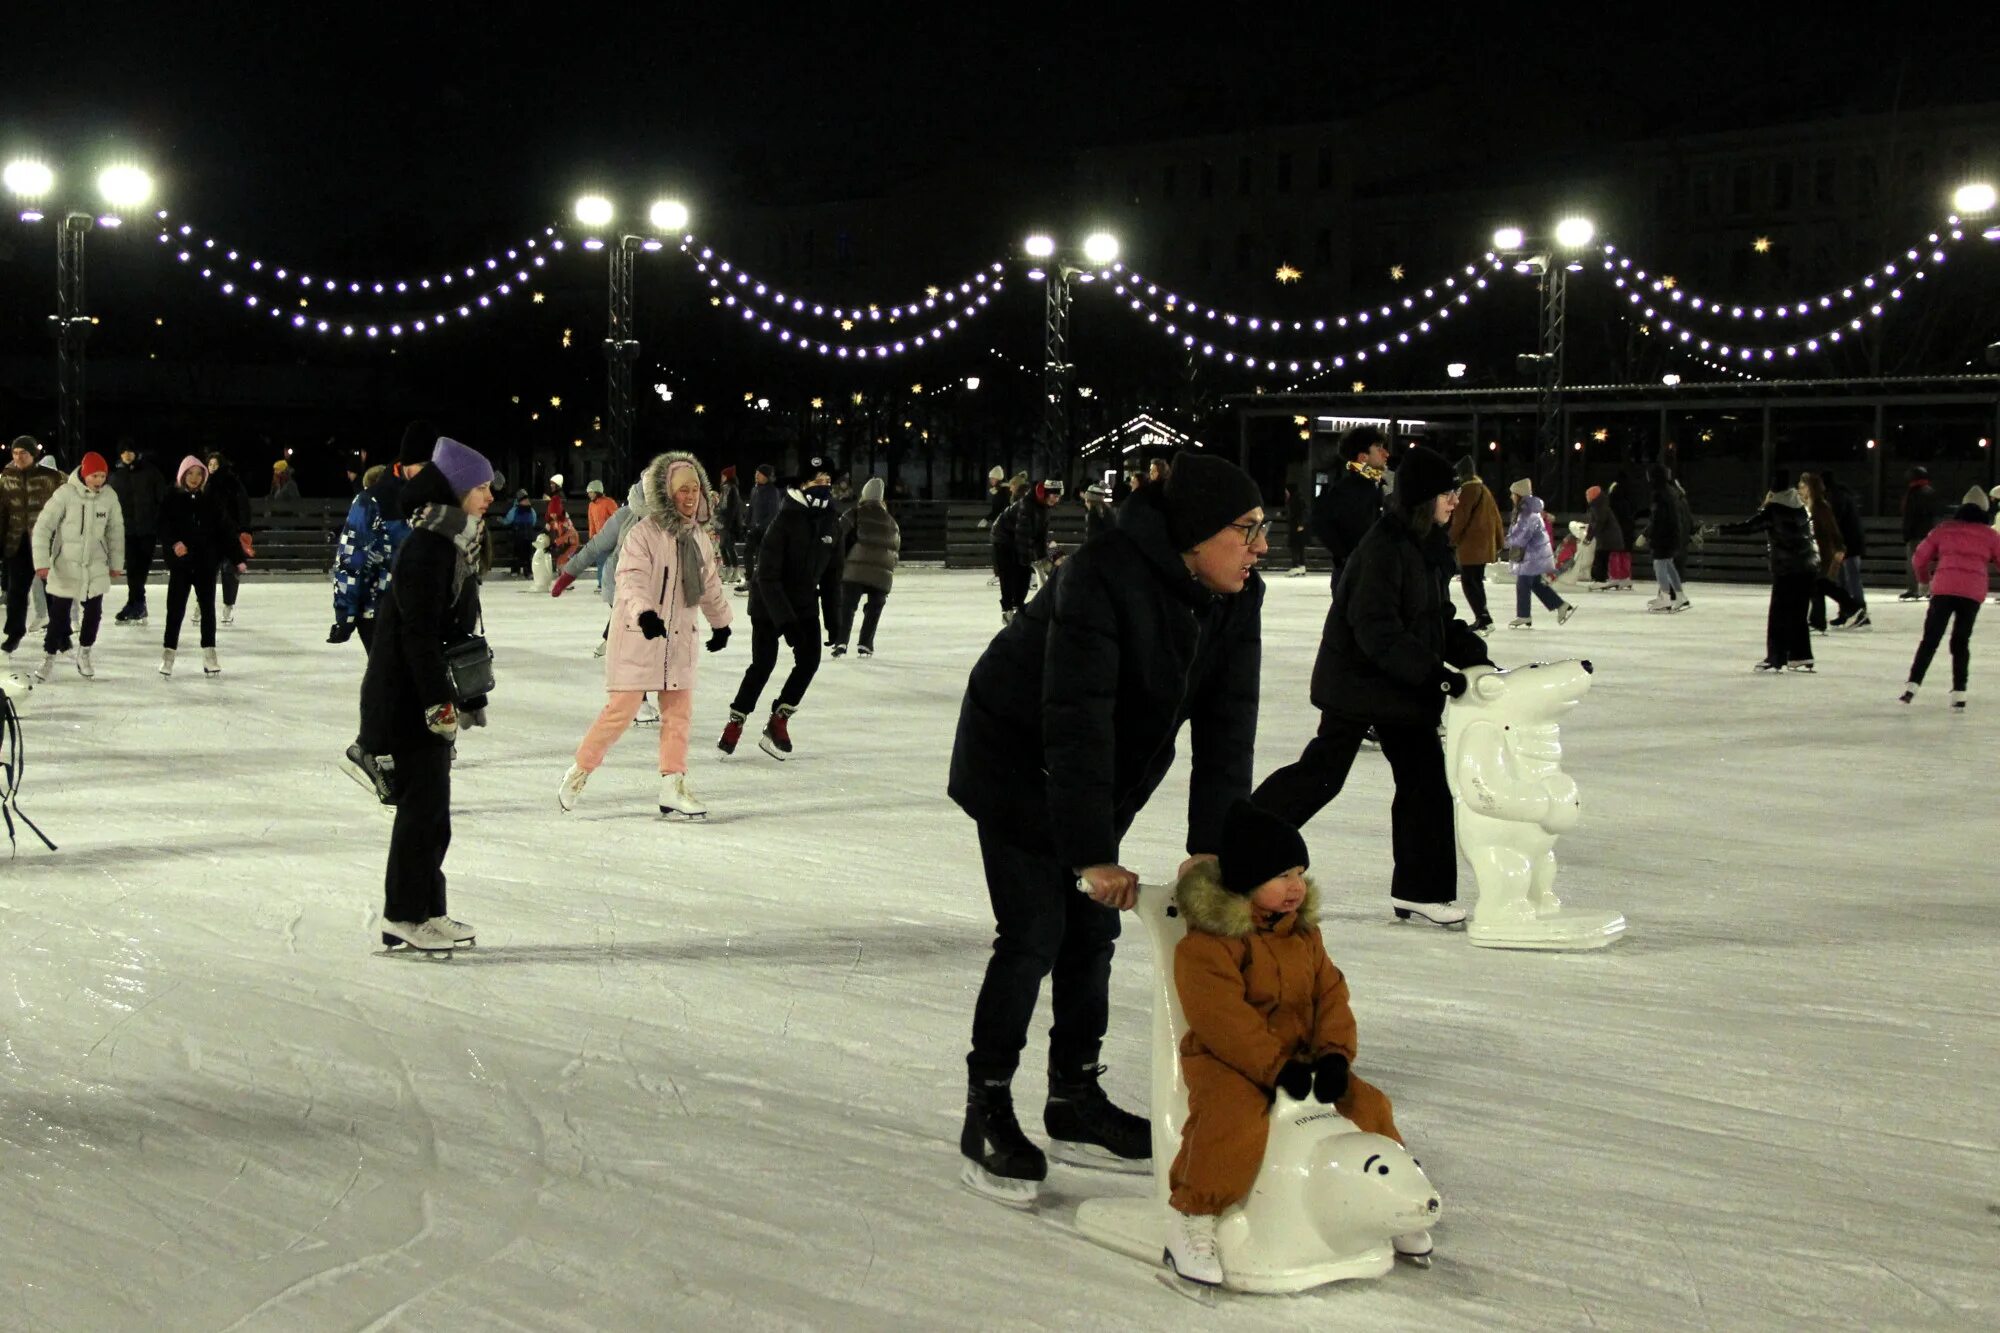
(1954,560)
(1266,1012)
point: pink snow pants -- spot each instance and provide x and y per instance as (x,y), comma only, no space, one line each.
(676,712)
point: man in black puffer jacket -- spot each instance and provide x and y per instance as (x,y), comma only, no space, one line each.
(142,492)
(1385,661)
(1794,558)
(792,565)
(1068,726)
(1347,508)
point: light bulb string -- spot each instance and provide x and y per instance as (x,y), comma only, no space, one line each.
(767,321)
(215,251)
(1259,323)
(1806,344)
(725,271)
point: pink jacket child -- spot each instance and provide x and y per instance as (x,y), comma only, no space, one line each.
(668,579)
(1959,551)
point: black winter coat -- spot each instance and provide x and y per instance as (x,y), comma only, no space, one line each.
(1070,717)
(1343,513)
(1390,627)
(1605,529)
(1624,502)
(141,492)
(1666,531)
(1788,538)
(793,562)
(1920,511)
(235,501)
(1031,530)
(200,521)
(1001,534)
(1096,519)
(416,620)
(1847,514)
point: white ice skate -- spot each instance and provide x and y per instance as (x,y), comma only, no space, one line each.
(46,671)
(1190,1249)
(1327,1200)
(427,937)
(571,789)
(166,661)
(1503,759)
(84,666)
(1438,914)
(461,932)
(598,651)
(229,613)
(677,797)
(648,715)
(1296,572)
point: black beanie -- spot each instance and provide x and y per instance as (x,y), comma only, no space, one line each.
(1423,475)
(809,469)
(1204,495)
(420,439)
(1257,846)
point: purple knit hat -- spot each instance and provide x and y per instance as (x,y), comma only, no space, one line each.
(461,465)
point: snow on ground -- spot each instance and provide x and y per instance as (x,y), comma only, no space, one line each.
(697,1075)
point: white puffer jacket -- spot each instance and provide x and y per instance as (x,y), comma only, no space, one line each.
(80,539)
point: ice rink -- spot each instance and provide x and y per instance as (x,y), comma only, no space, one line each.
(712,1076)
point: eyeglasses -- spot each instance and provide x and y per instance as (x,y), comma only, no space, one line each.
(1252,532)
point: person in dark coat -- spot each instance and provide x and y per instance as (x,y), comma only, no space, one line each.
(1296,521)
(792,563)
(998,497)
(1031,528)
(1624,501)
(1386,661)
(1667,533)
(766,499)
(838,519)
(1794,568)
(1067,728)
(356,594)
(1012,569)
(1605,532)
(141,493)
(410,714)
(870,571)
(1097,516)
(228,492)
(199,536)
(1345,511)
(1920,515)
(1854,536)
(1832,553)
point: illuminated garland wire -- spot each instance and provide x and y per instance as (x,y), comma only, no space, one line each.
(978,293)
(365,326)
(217,252)
(1687,354)
(1859,290)
(1266,324)
(705,259)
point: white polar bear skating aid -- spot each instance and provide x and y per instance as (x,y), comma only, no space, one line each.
(1503,757)
(1328,1200)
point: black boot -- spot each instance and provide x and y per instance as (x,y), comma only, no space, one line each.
(1085,1129)
(1003,1164)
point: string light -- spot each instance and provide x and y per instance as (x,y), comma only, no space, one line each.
(726,274)
(1186,311)
(529,252)
(1824,340)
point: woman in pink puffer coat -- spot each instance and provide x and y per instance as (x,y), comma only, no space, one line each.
(1953,560)
(668,578)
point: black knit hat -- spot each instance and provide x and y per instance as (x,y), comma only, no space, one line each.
(1423,475)
(1465,469)
(1204,495)
(811,468)
(1257,846)
(420,438)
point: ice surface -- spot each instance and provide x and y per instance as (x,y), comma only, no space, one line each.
(712,1075)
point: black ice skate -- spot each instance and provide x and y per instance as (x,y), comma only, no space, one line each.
(1003,1165)
(1086,1129)
(375,772)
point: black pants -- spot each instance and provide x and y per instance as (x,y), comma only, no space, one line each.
(1472,578)
(851,595)
(20,578)
(1420,819)
(1042,926)
(1824,588)
(185,576)
(1961,611)
(1786,635)
(413,884)
(1013,581)
(1600,564)
(1338,565)
(226,571)
(1298,545)
(138,566)
(365,627)
(55,635)
(803,636)
(752,546)
(833,610)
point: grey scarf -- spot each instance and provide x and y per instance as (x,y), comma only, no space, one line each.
(457,527)
(690,559)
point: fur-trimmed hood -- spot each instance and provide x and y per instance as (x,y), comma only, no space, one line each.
(1214,910)
(658,495)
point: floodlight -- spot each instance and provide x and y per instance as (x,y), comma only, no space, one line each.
(1509,238)
(1039,246)
(1100,248)
(668,215)
(594,210)
(124,186)
(1969,199)
(1575,233)
(26,178)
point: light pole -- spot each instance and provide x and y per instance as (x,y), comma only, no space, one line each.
(1099,250)
(1552,306)
(621,342)
(32,184)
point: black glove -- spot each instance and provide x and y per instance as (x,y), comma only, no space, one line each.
(653,627)
(1330,1073)
(1295,1080)
(718,640)
(1448,681)
(341,632)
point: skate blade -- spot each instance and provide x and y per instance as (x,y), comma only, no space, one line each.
(773,751)
(1414,1260)
(362,780)
(397,945)
(673,816)
(1016,1194)
(1090,1156)
(1201,1293)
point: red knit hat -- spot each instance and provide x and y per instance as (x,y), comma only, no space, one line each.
(92,462)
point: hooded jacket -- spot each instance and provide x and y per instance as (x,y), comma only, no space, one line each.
(648,577)
(229,495)
(1954,556)
(1529,534)
(1920,510)
(1030,530)
(80,539)
(141,491)
(1256,994)
(1788,533)
(1390,627)
(1343,513)
(201,521)
(1071,715)
(1475,524)
(432,603)
(1667,529)
(795,556)
(1605,530)
(878,542)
